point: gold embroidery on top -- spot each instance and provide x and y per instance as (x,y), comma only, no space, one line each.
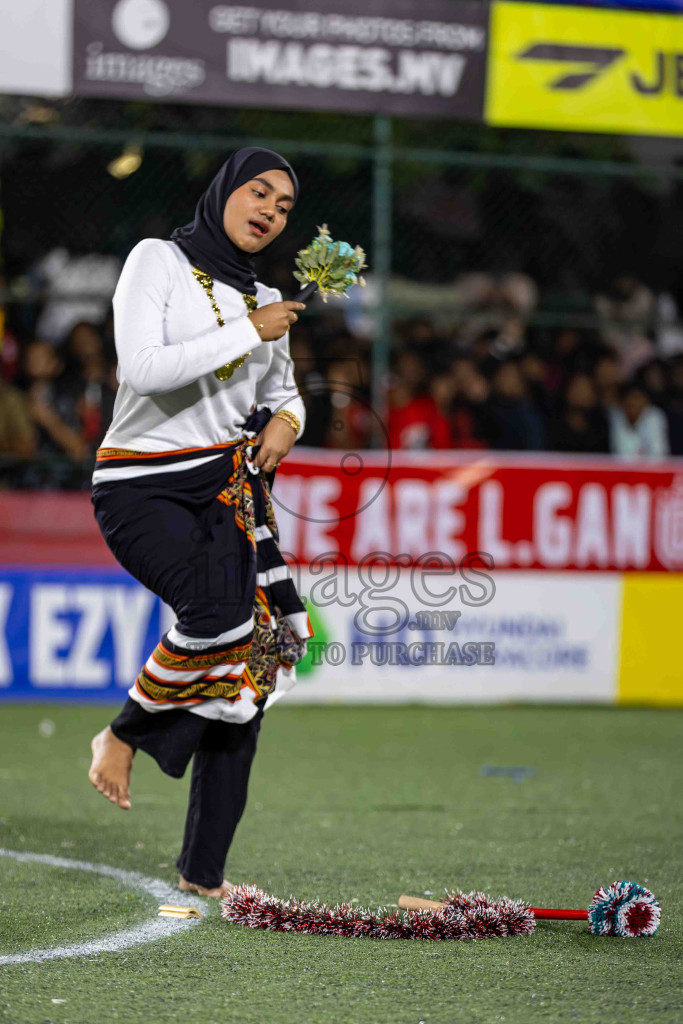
(250,301)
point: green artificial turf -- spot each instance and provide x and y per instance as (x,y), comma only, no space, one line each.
(356,803)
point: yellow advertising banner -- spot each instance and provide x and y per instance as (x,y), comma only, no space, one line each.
(585,70)
(650,670)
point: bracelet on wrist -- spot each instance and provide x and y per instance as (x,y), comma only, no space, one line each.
(293,421)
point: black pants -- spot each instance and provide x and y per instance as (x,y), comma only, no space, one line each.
(169,531)
(223,754)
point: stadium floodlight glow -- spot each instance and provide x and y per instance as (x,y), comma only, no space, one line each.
(39,113)
(127,163)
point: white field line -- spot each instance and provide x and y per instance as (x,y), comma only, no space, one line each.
(147,931)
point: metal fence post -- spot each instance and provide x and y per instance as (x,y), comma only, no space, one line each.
(380,264)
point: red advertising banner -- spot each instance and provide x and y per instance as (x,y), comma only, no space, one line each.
(535,512)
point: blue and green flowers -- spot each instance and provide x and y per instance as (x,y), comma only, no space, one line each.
(334,266)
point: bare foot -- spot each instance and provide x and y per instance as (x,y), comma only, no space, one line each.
(217,893)
(110,768)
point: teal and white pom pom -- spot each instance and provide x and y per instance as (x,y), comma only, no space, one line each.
(625,909)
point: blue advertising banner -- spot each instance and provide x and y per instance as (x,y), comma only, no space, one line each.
(75,634)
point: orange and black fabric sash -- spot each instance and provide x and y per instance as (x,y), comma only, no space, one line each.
(273,626)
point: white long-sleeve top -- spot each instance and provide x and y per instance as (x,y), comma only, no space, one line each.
(648,437)
(169,345)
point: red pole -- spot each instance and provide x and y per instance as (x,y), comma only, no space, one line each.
(415,903)
(571,915)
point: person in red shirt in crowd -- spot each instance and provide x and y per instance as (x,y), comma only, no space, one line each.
(415,420)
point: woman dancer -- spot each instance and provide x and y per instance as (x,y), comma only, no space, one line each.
(205,411)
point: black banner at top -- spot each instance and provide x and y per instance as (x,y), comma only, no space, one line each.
(422,57)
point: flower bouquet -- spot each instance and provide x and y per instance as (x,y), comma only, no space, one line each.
(328,267)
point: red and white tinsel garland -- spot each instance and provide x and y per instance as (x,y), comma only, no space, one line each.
(463,916)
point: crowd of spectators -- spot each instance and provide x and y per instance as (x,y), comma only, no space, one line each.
(489,378)
(495,380)
(58,372)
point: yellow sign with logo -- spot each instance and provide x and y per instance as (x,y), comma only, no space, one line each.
(650,671)
(585,70)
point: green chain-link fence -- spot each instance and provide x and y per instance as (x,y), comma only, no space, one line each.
(454,204)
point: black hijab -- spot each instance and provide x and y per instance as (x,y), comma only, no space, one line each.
(205,242)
